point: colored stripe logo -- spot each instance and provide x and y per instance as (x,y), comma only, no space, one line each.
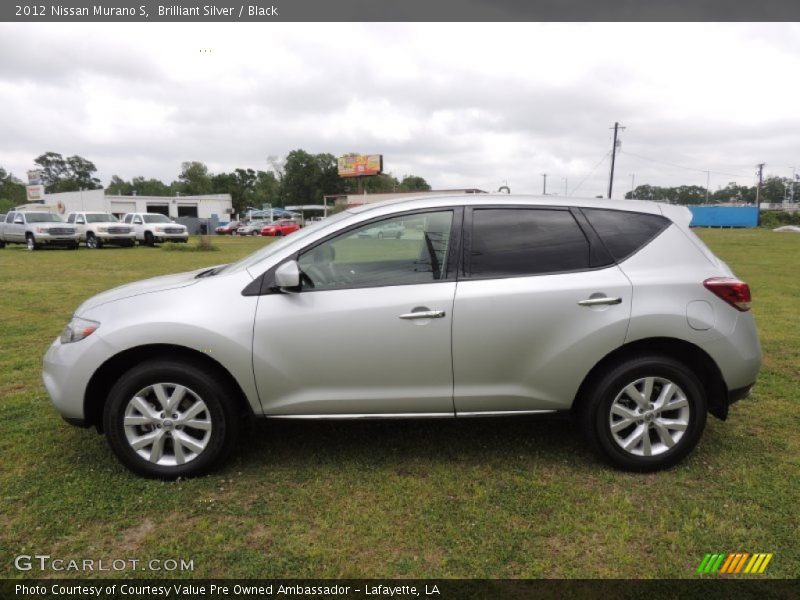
(735,563)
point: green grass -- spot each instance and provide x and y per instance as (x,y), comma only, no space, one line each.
(510,498)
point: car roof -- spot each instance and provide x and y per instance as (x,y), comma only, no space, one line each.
(414,202)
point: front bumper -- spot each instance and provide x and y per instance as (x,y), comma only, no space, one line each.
(116,238)
(67,370)
(55,240)
(171,237)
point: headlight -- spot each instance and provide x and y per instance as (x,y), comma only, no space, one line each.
(42,229)
(159,229)
(102,229)
(77,329)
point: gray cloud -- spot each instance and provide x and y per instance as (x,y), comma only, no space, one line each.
(461,105)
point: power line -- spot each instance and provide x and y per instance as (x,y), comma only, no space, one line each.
(577,187)
(677,166)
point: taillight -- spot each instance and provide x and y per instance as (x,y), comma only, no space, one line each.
(734,291)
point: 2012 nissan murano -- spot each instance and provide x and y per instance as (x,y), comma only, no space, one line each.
(488,305)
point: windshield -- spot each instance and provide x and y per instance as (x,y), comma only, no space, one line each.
(101,218)
(42,217)
(267,251)
(156,219)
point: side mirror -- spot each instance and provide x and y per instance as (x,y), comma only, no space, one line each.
(18,220)
(287,276)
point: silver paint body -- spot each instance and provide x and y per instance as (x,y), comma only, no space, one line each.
(502,346)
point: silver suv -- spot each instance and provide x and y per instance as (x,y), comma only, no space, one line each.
(487,306)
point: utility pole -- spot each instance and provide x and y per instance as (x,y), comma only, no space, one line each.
(758,190)
(566,187)
(544,184)
(633,186)
(617,127)
(708,179)
(791,189)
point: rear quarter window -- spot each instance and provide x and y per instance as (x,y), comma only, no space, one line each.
(625,233)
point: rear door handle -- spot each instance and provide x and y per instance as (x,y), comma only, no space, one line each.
(424,314)
(599,301)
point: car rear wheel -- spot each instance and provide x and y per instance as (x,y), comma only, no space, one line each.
(169,419)
(645,414)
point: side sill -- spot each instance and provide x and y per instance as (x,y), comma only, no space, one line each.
(367,416)
(504,413)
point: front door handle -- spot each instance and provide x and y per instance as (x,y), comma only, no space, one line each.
(599,301)
(424,314)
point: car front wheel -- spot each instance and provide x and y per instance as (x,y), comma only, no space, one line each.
(645,414)
(168,419)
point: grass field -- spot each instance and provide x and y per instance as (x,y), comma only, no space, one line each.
(511,498)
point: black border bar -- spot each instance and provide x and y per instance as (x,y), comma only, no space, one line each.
(398,10)
(721,588)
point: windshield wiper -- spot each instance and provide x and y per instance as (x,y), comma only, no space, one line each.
(210,272)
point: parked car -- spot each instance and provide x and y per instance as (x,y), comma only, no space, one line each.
(229,228)
(385,230)
(613,311)
(154,228)
(279,228)
(252,228)
(100,228)
(36,229)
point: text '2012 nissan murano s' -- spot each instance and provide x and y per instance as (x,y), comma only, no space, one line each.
(485,306)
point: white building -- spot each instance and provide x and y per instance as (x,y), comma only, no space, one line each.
(210,206)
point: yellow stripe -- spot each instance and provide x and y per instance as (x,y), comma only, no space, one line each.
(761,557)
(741,562)
(765,563)
(751,563)
(727,562)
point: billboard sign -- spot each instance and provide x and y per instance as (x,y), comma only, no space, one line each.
(357,165)
(35,177)
(35,193)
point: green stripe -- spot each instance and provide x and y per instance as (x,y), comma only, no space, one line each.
(703,564)
(719,563)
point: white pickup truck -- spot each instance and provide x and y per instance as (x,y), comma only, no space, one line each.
(37,228)
(99,228)
(152,228)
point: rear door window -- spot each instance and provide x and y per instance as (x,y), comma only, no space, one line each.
(507,242)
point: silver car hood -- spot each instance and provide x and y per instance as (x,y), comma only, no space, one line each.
(146,286)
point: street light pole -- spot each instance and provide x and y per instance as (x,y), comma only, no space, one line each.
(544,184)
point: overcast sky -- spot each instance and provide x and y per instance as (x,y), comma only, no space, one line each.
(462,105)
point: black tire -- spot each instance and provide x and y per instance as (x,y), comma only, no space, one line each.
(278,234)
(595,413)
(2,244)
(254,232)
(92,242)
(220,410)
(149,240)
(30,242)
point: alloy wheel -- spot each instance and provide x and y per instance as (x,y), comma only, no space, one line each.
(649,416)
(167,424)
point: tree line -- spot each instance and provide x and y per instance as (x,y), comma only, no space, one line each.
(304,178)
(773,189)
(300,178)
